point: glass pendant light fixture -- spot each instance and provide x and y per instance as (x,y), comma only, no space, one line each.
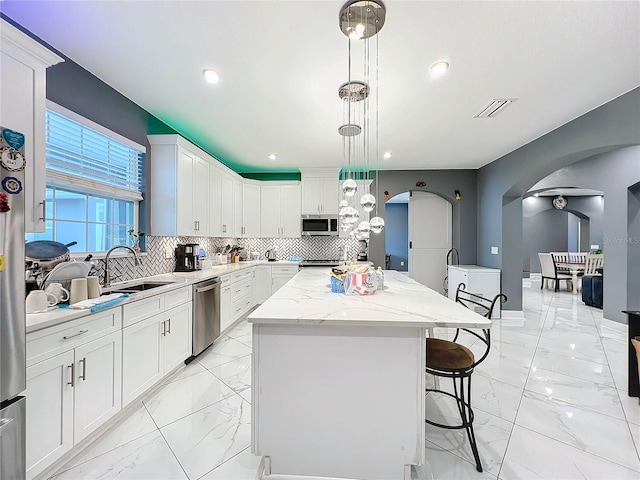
(359,20)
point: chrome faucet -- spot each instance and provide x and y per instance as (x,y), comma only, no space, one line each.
(107,269)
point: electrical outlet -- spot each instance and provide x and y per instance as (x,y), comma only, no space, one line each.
(168,252)
(494,250)
(402,264)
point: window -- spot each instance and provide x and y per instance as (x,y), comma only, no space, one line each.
(94,183)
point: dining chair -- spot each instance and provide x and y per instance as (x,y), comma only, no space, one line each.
(593,261)
(561,257)
(577,257)
(549,271)
(450,359)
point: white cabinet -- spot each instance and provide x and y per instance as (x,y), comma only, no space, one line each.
(50,411)
(320,196)
(22,108)
(236,297)
(154,345)
(227,205)
(237,227)
(226,307)
(262,284)
(250,210)
(98,384)
(280,211)
(179,188)
(479,280)
(363,188)
(280,275)
(75,388)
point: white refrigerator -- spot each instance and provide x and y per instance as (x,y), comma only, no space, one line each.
(12,306)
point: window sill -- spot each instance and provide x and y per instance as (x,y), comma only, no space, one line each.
(101,255)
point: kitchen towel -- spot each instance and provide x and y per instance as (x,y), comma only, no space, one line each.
(100,303)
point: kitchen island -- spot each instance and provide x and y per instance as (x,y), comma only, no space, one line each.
(338,381)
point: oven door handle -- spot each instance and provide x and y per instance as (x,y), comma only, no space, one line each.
(208,287)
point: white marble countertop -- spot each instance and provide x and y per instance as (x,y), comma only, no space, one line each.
(307,299)
(56,316)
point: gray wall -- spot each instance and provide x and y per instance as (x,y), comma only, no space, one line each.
(613,173)
(440,182)
(544,231)
(502,183)
(397,235)
(545,228)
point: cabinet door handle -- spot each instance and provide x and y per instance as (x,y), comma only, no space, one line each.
(73,375)
(44,210)
(84,369)
(169,326)
(164,328)
(81,332)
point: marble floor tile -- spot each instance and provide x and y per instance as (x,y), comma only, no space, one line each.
(592,432)
(531,455)
(137,424)
(225,349)
(506,363)
(553,326)
(574,367)
(442,464)
(492,434)
(236,374)
(631,407)
(495,397)
(145,458)
(601,398)
(240,329)
(192,369)
(243,466)
(512,337)
(183,397)
(209,437)
(635,433)
(246,394)
(578,345)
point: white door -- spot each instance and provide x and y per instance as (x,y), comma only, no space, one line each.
(311,196)
(185,220)
(98,384)
(430,224)
(291,214)
(251,211)
(237,208)
(215,202)
(226,307)
(227,205)
(330,187)
(141,357)
(201,200)
(261,284)
(270,211)
(176,343)
(50,411)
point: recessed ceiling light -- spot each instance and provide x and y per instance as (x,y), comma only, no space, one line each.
(272,156)
(536,194)
(387,155)
(438,69)
(211,76)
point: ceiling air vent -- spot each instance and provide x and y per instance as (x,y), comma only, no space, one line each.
(495,106)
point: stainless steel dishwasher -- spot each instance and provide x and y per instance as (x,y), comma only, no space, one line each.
(206,315)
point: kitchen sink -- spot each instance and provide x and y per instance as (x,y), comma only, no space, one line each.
(137,287)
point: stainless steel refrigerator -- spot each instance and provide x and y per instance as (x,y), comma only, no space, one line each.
(12,306)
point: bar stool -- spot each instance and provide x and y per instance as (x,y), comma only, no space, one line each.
(449,359)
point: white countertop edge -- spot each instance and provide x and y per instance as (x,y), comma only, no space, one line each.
(56,316)
(362,323)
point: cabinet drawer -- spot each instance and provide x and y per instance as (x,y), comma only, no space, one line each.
(241,305)
(240,289)
(281,270)
(46,343)
(243,275)
(177,297)
(141,309)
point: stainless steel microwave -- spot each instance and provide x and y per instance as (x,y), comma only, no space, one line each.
(319,225)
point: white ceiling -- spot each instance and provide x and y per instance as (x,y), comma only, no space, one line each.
(281,63)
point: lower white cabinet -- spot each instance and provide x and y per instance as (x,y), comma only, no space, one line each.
(280,275)
(482,281)
(226,307)
(236,296)
(262,284)
(70,395)
(152,348)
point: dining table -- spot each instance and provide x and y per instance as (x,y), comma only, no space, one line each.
(574,268)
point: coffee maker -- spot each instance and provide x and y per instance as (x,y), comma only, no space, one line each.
(187,257)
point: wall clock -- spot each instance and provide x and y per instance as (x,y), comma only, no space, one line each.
(559,202)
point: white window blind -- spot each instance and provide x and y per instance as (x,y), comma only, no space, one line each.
(81,157)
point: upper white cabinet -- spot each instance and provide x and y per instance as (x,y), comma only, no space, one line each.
(280,210)
(250,210)
(320,195)
(237,229)
(179,188)
(227,205)
(22,108)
